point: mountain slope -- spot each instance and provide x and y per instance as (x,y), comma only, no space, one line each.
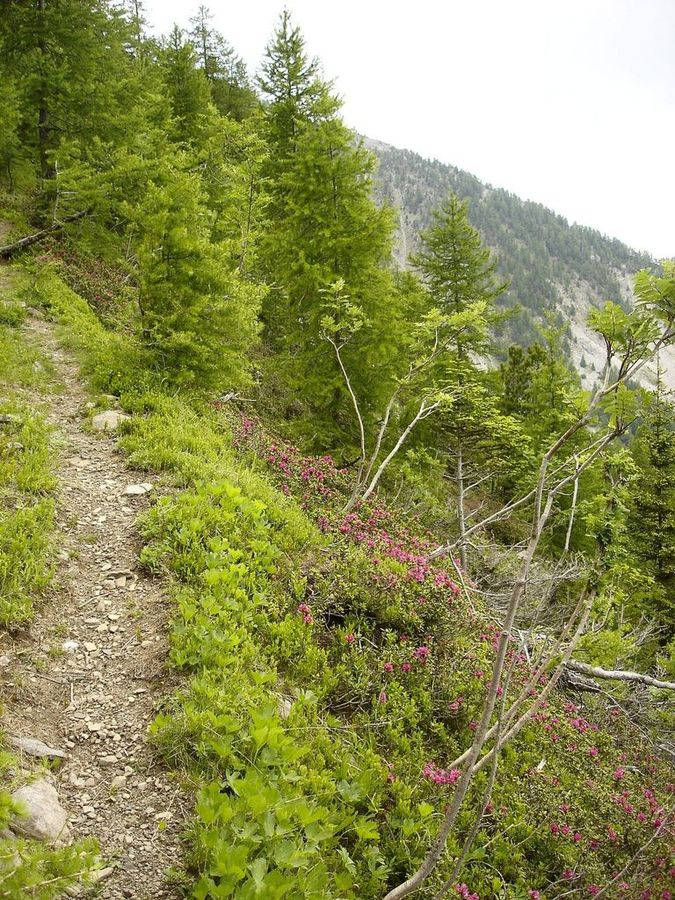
(552,266)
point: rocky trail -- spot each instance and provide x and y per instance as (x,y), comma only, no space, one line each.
(87,676)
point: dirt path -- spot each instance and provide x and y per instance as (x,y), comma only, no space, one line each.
(88,676)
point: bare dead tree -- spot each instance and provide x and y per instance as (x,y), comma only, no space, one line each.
(635,342)
(438,333)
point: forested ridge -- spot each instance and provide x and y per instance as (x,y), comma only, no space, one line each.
(421,632)
(550,264)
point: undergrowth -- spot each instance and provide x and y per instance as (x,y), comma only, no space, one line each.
(330,675)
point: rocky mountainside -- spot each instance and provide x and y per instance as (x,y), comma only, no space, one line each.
(553,267)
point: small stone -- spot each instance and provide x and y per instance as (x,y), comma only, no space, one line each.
(137,490)
(284,707)
(109,759)
(165,814)
(70,646)
(118,781)
(108,420)
(34,747)
(89,647)
(45,818)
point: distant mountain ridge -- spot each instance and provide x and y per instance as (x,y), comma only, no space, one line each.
(552,266)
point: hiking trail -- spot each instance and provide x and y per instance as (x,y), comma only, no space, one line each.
(88,674)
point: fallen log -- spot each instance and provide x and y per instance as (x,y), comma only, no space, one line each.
(619,675)
(30,239)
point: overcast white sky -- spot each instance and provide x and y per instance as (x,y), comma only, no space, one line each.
(567,102)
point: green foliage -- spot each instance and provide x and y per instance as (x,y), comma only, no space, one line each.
(327,800)
(198,319)
(27,519)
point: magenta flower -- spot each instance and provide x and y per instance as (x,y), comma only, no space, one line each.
(593,751)
(618,774)
(421,653)
(534,895)
(576,837)
(406,667)
(388,667)
(350,638)
(593,889)
(382,698)
(440,776)
(568,874)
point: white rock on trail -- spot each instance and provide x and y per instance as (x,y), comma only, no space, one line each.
(34,747)
(137,490)
(108,420)
(45,818)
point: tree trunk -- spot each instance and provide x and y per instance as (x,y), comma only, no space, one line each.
(461,513)
(25,242)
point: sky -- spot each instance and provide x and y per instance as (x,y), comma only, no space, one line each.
(570,103)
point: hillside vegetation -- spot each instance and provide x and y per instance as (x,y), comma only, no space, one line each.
(402,582)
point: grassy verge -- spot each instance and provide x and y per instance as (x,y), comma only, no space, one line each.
(330,674)
(27,484)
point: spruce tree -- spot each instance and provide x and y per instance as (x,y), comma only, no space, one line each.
(323,226)
(224,70)
(653,519)
(456,266)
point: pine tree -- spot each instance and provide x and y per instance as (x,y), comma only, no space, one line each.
(456,266)
(224,70)
(198,318)
(653,520)
(323,227)
(291,84)
(188,89)
(67,57)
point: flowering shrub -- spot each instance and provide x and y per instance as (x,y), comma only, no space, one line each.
(387,665)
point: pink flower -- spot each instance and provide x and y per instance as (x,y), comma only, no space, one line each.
(568,874)
(440,776)
(534,895)
(421,653)
(455,705)
(564,807)
(565,829)
(350,638)
(405,667)
(612,835)
(593,751)
(576,837)
(593,889)
(388,667)
(618,774)
(382,698)
(555,828)
(473,725)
